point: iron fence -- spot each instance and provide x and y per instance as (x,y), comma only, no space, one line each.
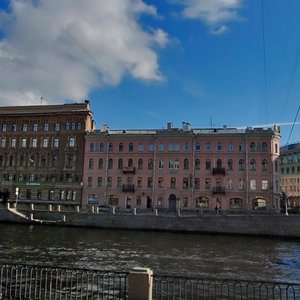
(50,283)
(180,288)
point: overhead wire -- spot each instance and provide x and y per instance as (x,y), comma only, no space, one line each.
(293,125)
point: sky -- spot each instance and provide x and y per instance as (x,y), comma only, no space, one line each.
(143,63)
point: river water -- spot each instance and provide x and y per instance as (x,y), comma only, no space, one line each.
(165,253)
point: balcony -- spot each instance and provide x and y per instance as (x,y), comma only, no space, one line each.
(128,188)
(128,170)
(219,171)
(218,190)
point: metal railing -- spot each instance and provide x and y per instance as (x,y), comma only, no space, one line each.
(182,288)
(47,283)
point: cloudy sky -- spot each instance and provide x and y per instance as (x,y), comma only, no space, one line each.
(143,63)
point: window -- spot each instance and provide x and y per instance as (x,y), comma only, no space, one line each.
(67,126)
(3,143)
(176,147)
(252,147)
(13,143)
(90,181)
(219,147)
(208,147)
(202,202)
(276,148)
(14,127)
(229,184)
(100,163)
(138,200)
(197,147)
(141,147)
(161,164)
(92,147)
(185,183)
(119,182)
(235,203)
(69,160)
(170,147)
(110,147)
(197,183)
(24,127)
(264,147)
(151,147)
(264,185)
(140,164)
(229,147)
(197,164)
(186,147)
(161,147)
(207,183)
(150,182)
(73,126)
(171,164)
(241,147)
(230,164)
(150,164)
(121,147)
(241,165)
(56,127)
(252,164)
(45,142)
(130,163)
(176,164)
(160,182)
(186,164)
(130,147)
(109,181)
(72,141)
(91,163)
(120,164)
(35,127)
(219,163)
(139,182)
(4,127)
(208,164)
(46,127)
(264,165)
(101,147)
(24,143)
(79,126)
(99,182)
(252,184)
(185,202)
(110,164)
(56,143)
(173,182)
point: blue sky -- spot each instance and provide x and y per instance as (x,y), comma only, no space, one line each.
(144,63)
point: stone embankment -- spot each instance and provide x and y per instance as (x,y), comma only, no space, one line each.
(268,224)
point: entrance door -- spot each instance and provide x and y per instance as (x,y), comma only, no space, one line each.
(172,202)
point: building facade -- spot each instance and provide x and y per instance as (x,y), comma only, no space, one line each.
(42,151)
(290,173)
(183,168)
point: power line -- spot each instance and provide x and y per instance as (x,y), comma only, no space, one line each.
(293,125)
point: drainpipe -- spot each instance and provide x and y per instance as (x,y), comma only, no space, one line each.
(106,169)
(193,170)
(247,171)
(154,172)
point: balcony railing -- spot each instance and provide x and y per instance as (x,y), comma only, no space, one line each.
(218,171)
(128,188)
(218,190)
(129,170)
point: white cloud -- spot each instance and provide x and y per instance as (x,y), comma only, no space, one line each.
(63,49)
(212,12)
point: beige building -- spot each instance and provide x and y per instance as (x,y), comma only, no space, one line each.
(41,152)
(183,168)
(290,173)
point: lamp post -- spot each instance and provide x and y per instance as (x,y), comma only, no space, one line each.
(286,206)
(17,195)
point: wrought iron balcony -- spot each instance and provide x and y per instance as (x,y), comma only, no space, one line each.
(219,171)
(218,190)
(129,170)
(128,188)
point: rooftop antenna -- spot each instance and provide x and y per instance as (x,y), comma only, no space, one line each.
(41,100)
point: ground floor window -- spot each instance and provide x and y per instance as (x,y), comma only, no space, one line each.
(259,203)
(112,200)
(202,202)
(235,203)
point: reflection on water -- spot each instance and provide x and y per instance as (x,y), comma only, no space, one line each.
(168,253)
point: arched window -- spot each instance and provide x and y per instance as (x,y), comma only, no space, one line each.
(140,164)
(130,147)
(120,164)
(264,147)
(121,147)
(241,164)
(252,164)
(219,163)
(252,147)
(230,164)
(111,147)
(276,148)
(101,147)
(197,164)
(208,164)
(110,163)
(150,164)
(130,162)
(100,163)
(92,147)
(91,163)
(264,165)
(186,164)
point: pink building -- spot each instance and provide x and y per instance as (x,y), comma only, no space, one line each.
(183,168)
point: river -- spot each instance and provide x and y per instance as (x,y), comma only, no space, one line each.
(189,254)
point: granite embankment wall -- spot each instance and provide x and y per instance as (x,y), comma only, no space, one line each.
(262,225)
